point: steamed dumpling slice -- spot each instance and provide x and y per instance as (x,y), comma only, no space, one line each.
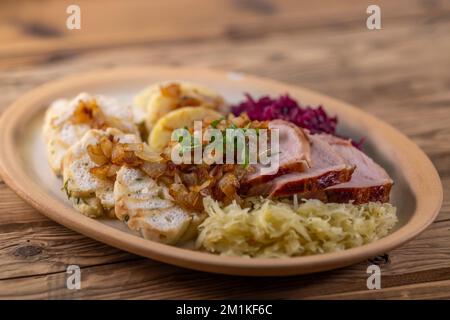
(148,208)
(62,128)
(162,98)
(90,194)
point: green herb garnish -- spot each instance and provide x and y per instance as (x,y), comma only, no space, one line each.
(66,189)
(216,122)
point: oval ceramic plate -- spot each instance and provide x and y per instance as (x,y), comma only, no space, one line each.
(417,192)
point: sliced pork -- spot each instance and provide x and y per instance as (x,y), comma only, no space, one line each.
(369,182)
(327,168)
(294,153)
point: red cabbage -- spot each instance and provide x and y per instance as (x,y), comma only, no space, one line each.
(316,120)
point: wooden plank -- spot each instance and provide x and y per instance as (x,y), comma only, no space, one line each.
(14,210)
(52,248)
(143,279)
(139,280)
(429,290)
(32,244)
(40,27)
(317,63)
(35,248)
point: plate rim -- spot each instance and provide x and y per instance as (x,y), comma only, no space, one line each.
(428,204)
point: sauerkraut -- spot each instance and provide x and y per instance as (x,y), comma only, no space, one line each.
(270,229)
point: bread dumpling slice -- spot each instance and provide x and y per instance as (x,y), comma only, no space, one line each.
(66,121)
(148,208)
(162,98)
(91,194)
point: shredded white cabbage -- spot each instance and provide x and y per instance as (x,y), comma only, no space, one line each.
(279,229)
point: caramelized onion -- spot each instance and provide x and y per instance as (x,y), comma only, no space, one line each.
(154,170)
(96,154)
(189,179)
(132,146)
(228,184)
(105,171)
(189,102)
(88,112)
(120,156)
(171,90)
(106,146)
(147,155)
(200,187)
(112,171)
(187,199)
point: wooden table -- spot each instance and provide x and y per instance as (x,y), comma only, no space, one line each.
(400,74)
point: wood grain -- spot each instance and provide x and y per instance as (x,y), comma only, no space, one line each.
(399,74)
(178,21)
(134,277)
(428,290)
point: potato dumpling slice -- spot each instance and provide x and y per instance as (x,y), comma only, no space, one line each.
(162,98)
(184,117)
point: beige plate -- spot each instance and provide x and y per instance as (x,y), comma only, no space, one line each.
(417,192)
